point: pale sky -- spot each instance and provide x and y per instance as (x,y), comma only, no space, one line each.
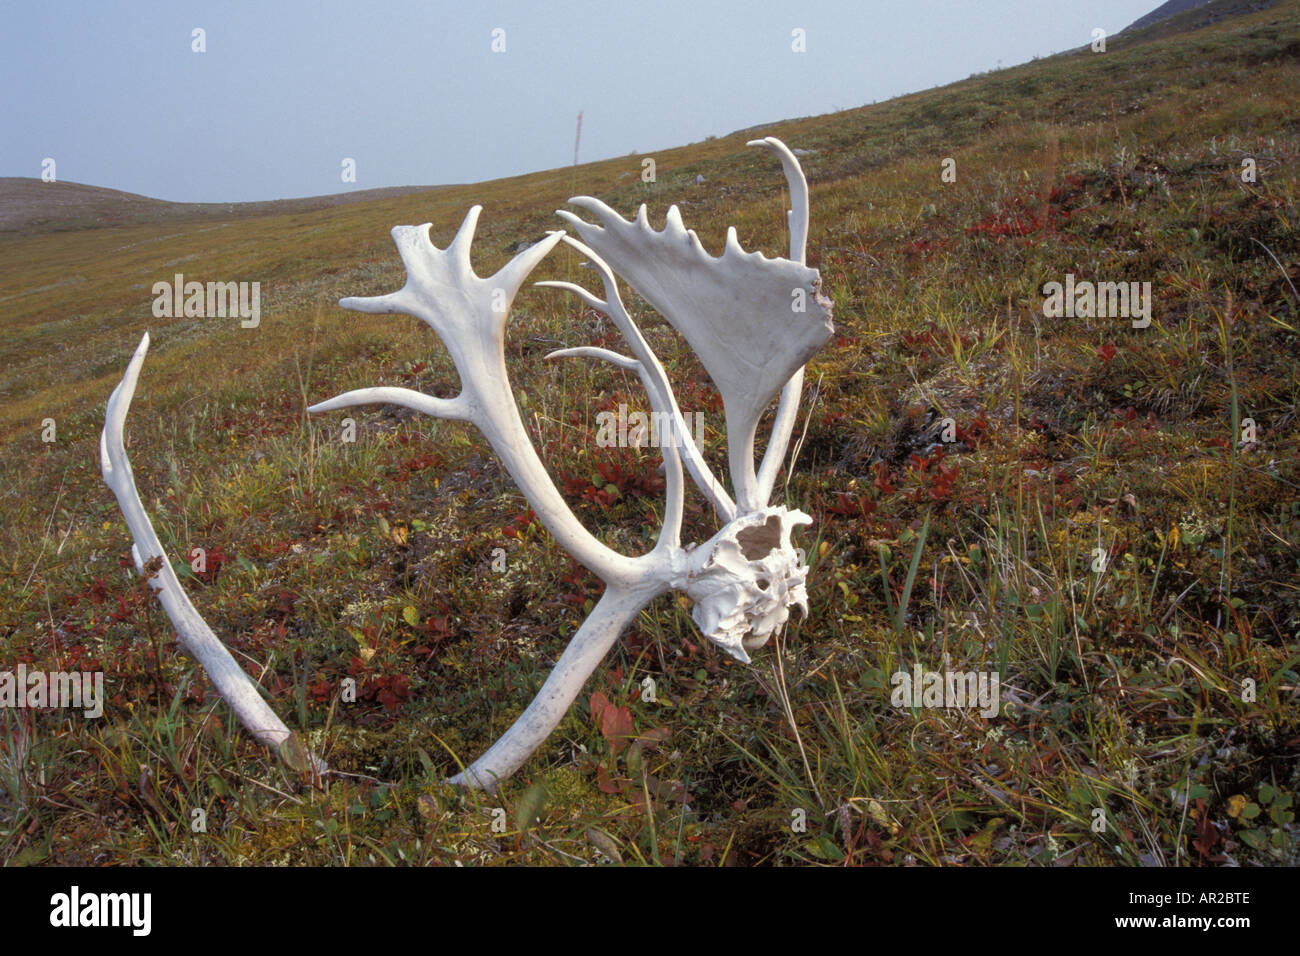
(413,93)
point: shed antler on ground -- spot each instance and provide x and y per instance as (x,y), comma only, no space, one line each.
(753,321)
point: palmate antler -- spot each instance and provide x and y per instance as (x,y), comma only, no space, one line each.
(753,321)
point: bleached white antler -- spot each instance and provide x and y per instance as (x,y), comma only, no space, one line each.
(236,688)
(753,320)
(788,408)
(469,315)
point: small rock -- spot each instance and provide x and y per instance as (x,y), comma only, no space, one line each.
(530,242)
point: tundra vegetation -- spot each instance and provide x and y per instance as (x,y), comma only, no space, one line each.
(1113,528)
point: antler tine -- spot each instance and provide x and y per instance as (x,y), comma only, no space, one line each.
(234,686)
(653,375)
(464,239)
(798,215)
(452,409)
(787,410)
(512,275)
(590,351)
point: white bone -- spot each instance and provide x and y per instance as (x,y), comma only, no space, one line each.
(734,310)
(236,688)
(788,408)
(737,311)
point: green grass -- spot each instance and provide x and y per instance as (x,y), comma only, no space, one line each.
(1101,538)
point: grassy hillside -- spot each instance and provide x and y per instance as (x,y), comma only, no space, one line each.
(31,206)
(1179,16)
(1082,444)
(1164,12)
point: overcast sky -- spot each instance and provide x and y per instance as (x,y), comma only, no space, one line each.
(413,92)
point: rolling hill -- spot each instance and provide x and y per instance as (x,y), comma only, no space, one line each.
(31,206)
(1112,526)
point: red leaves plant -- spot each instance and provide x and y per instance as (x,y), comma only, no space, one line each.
(614,723)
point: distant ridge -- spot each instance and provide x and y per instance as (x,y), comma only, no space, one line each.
(1164,12)
(32,205)
(1178,16)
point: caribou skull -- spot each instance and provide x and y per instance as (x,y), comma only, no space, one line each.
(753,321)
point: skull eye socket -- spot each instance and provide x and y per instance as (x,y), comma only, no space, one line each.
(758,542)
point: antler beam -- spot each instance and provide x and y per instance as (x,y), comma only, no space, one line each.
(236,688)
